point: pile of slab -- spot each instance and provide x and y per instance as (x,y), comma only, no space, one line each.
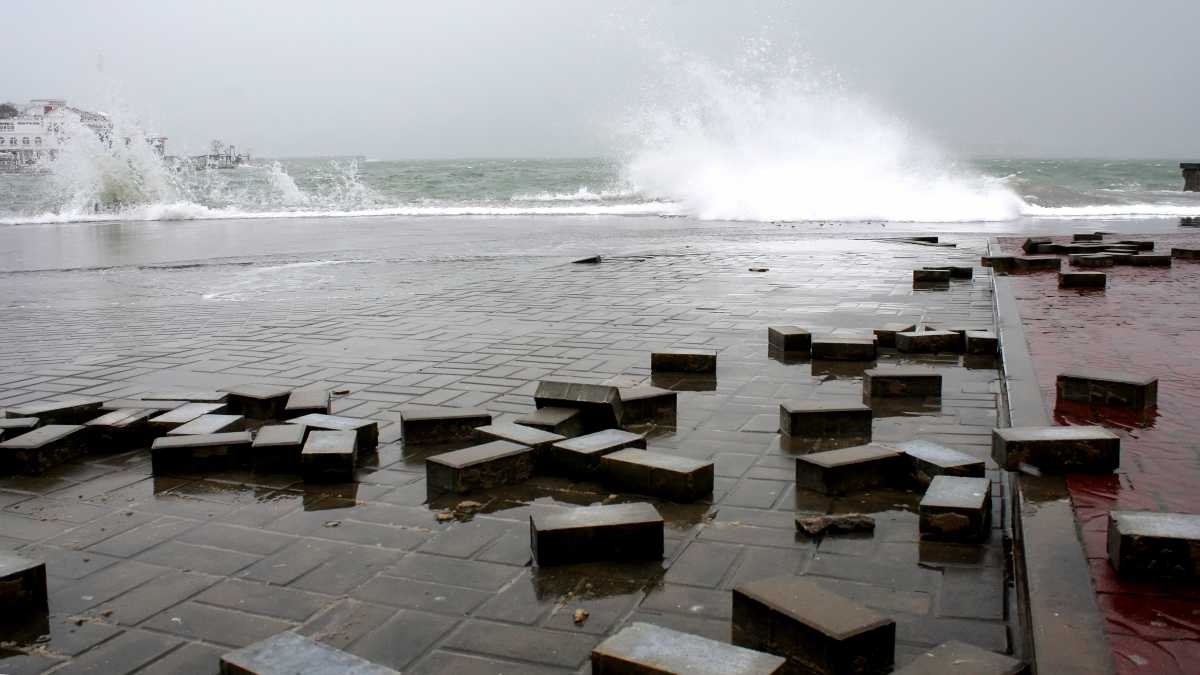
(785,341)
(1086,251)
(940,276)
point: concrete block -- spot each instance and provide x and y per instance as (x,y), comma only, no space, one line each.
(927,460)
(121,429)
(139,404)
(1087,236)
(1185,253)
(648,404)
(593,533)
(200,453)
(1084,247)
(1092,260)
(789,339)
(656,474)
(430,425)
(956,508)
(982,342)
(1036,264)
(329,456)
(291,654)
(566,422)
(22,594)
(1121,257)
(1139,244)
(1087,449)
(259,401)
(1099,386)
(683,361)
(885,336)
(1082,280)
(647,649)
(1032,243)
(580,456)
(931,276)
(540,441)
(841,423)
(307,402)
(185,413)
(186,395)
(366,432)
(959,658)
(1001,264)
(817,631)
(955,271)
(210,424)
(850,470)
(929,341)
(479,467)
(11,427)
(1158,545)
(33,452)
(599,404)
(75,411)
(277,447)
(1150,260)
(844,348)
(907,382)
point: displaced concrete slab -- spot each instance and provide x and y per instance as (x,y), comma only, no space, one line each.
(479,467)
(1084,449)
(833,423)
(849,470)
(140,404)
(657,474)
(599,404)
(648,404)
(844,348)
(209,424)
(259,401)
(75,411)
(518,433)
(186,395)
(430,425)
(567,422)
(122,429)
(580,456)
(929,341)
(592,533)
(928,459)
(959,658)
(1151,260)
(1082,280)
(981,342)
(956,508)
(1114,388)
(329,456)
(789,339)
(292,654)
(33,452)
(15,426)
(277,447)
(647,649)
(904,382)
(683,361)
(185,413)
(307,402)
(23,594)
(885,335)
(1154,545)
(200,453)
(366,431)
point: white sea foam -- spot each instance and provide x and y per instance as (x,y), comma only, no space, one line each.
(583,194)
(1112,211)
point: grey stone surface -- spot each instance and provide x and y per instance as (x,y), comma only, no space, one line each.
(291,654)
(479,467)
(648,404)
(258,401)
(657,474)
(928,341)
(121,429)
(329,456)
(209,424)
(1108,387)
(956,508)
(683,361)
(590,533)
(1057,449)
(567,422)
(533,437)
(816,630)
(647,649)
(431,425)
(1082,280)
(33,452)
(185,413)
(903,382)
(928,459)
(74,411)
(137,403)
(960,658)
(366,432)
(600,405)
(185,395)
(15,426)
(848,470)
(789,338)
(306,402)
(826,423)
(580,456)
(277,447)
(844,349)
(200,453)
(1154,545)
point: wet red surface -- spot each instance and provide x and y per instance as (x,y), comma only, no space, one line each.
(1147,322)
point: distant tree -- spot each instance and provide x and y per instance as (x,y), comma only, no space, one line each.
(8,110)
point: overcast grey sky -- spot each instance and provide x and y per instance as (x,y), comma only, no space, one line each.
(533,78)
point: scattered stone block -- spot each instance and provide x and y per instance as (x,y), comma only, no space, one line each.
(366,431)
(849,470)
(845,348)
(1082,280)
(58,412)
(956,508)
(140,404)
(307,402)
(580,456)
(906,382)
(656,474)
(199,453)
(649,404)
(1085,449)
(1036,264)
(15,426)
(959,658)
(593,533)
(1149,544)
(209,424)
(185,413)
(122,429)
(1003,264)
(1087,236)
(647,649)
(843,423)
(259,401)
(186,395)
(277,447)
(1186,253)
(567,422)
(1150,260)
(1105,387)
(535,438)
(956,272)
(931,276)
(815,526)
(789,339)
(928,341)
(1031,243)
(1121,257)
(982,342)
(329,456)
(289,654)
(683,361)
(1092,260)
(33,452)
(599,404)
(594,260)
(1070,249)
(429,425)
(816,630)
(22,593)
(928,460)
(886,335)
(1139,244)
(479,467)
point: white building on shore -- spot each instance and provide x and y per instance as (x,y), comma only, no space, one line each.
(36,133)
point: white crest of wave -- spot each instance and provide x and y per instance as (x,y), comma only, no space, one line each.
(284,186)
(782,144)
(583,194)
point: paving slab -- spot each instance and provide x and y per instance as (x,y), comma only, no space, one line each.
(928,342)
(22,593)
(329,456)
(850,470)
(956,508)
(829,423)
(366,432)
(885,335)
(1083,449)
(1092,260)
(292,654)
(683,361)
(1082,280)
(33,452)
(844,349)
(479,467)
(209,424)
(536,439)
(647,649)
(121,429)
(1108,387)
(185,395)
(928,459)
(580,456)
(140,404)
(592,533)
(982,342)
(200,453)
(789,339)
(930,276)
(259,401)
(566,422)
(1151,260)
(75,411)
(1154,545)
(1185,253)
(648,404)
(185,413)
(307,402)
(15,426)
(277,447)
(432,425)
(600,405)
(658,474)
(906,382)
